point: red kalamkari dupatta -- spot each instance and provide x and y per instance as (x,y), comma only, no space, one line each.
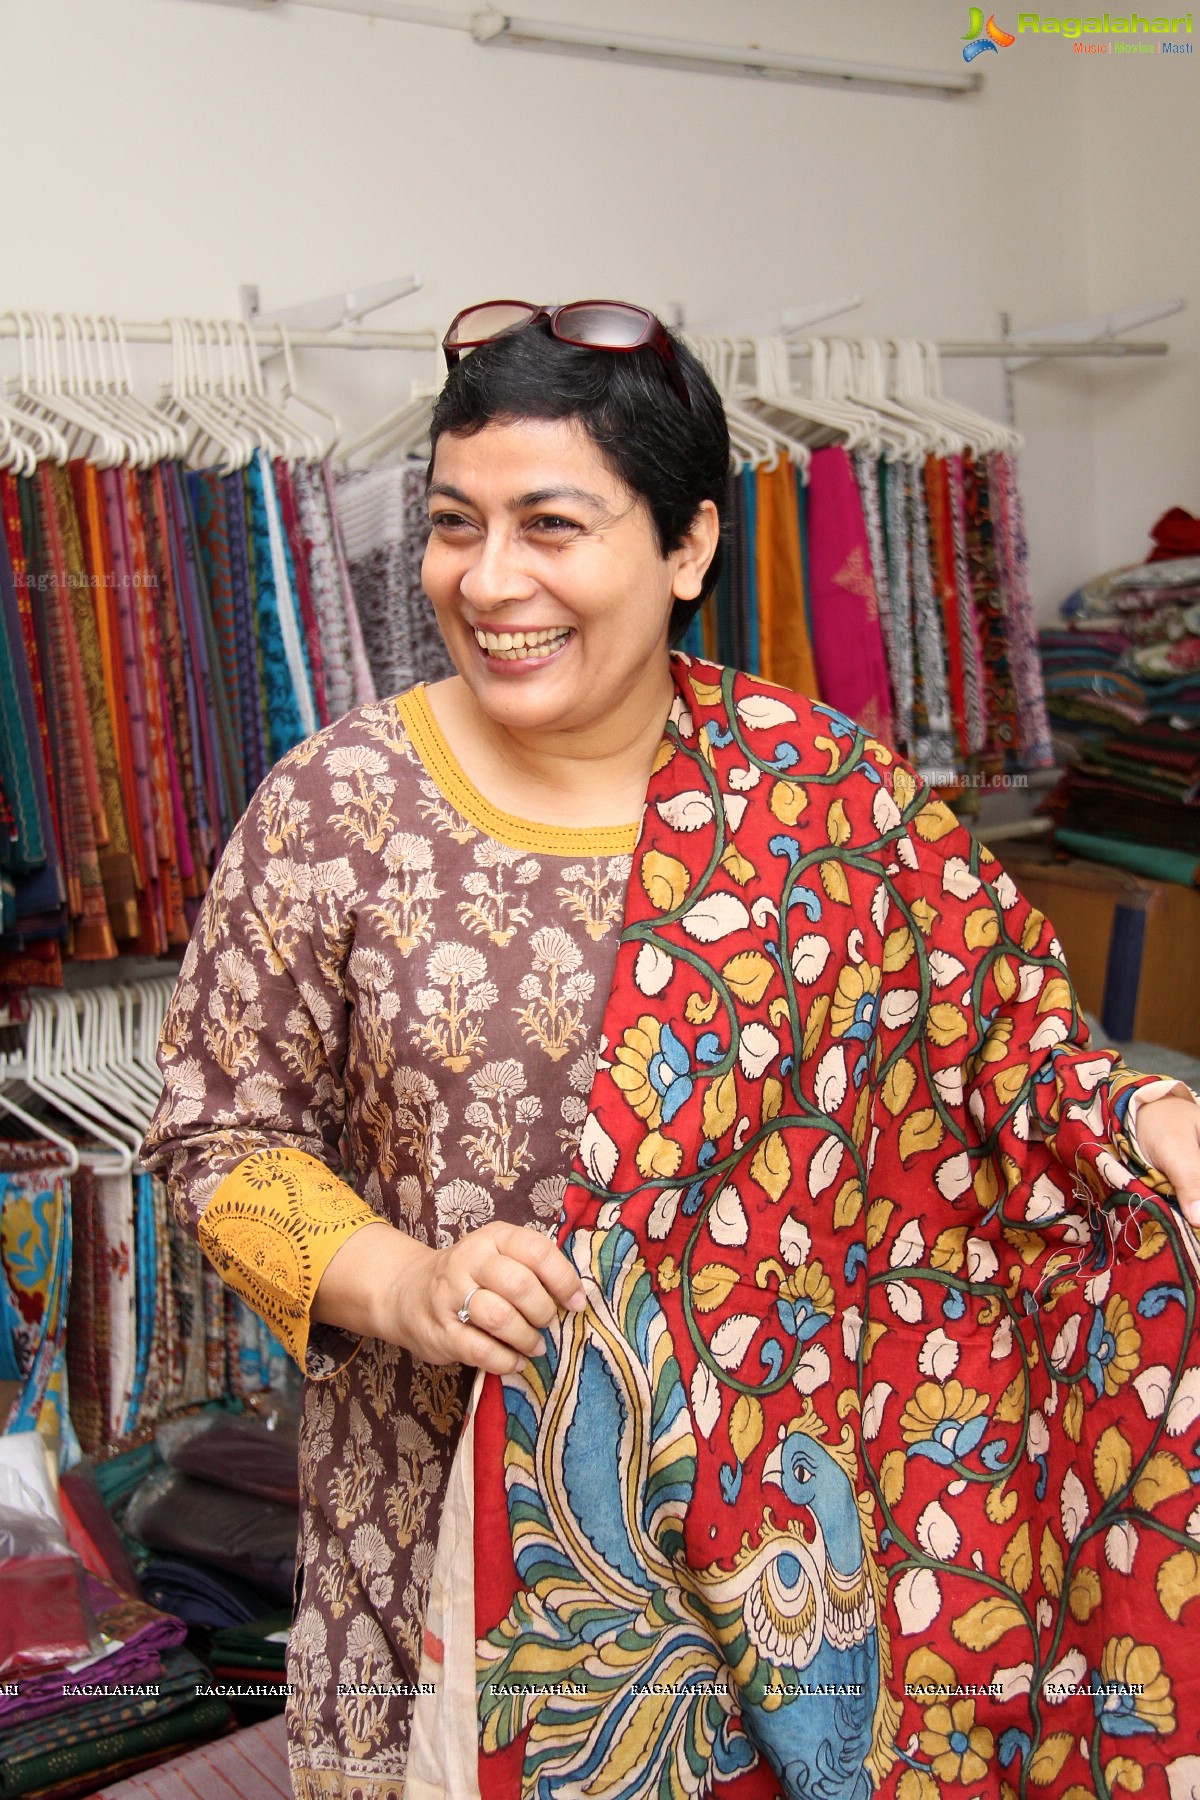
(871,1465)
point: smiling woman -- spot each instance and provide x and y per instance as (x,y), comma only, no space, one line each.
(672,1147)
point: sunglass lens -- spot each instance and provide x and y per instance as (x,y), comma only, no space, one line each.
(479,323)
(606,326)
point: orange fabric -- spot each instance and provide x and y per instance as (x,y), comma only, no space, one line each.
(785,651)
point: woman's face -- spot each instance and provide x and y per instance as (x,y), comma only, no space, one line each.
(546,576)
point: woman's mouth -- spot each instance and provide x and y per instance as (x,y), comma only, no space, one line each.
(522,646)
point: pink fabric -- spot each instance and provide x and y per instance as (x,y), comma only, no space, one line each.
(847,637)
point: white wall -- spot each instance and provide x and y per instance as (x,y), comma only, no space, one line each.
(157,153)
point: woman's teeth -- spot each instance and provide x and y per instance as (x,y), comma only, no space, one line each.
(521,646)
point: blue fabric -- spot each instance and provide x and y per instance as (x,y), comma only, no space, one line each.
(283,714)
(146,1287)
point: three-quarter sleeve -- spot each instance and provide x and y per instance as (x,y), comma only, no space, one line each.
(249,1126)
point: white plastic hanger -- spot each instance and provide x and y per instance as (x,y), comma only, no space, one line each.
(904,439)
(817,422)
(36,1125)
(290,395)
(59,1093)
(402,432)
(918,382)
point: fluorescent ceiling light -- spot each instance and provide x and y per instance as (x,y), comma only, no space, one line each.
(493,28)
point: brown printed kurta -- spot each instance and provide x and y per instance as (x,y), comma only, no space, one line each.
(392,978)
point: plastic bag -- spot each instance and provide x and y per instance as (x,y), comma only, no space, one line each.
(252,1538)
(45,1616)
(251,1453)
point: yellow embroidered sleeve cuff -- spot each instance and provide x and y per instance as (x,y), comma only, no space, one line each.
(271,1230)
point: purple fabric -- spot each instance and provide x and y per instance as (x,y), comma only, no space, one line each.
(144,1634)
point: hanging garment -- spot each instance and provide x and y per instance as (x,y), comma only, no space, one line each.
(384,526)
(1033,726)
(851,665)
(1000,748)
(786,654)
(35,1267)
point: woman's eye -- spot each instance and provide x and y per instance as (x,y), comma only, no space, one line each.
(449,521)
(552,522)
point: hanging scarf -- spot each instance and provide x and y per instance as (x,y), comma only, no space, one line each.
(870,1464)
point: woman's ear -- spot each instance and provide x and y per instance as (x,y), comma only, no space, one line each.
(696,552)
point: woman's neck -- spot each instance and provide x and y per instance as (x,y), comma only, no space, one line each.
(593,774)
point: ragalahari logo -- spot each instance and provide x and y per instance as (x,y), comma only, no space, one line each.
(984,37)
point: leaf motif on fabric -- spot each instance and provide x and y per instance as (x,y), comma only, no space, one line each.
(981,928)
(1112,1462)
(727,1222)
(898,949)
(1186,1405)
(937,1533)
(662,1214)
(898,1086)
(878,1214)
(715,917)
(1163,1477)
(653,970)
(1073,1506)
(939,1356)
(830,1080)
(934,821)
(1178,1582)
(945,1024)
(665,880)
(720,1105)
(761,712)
(885,814)
(1084,1594)
(899,1007)
(985,1623)
(823,1165)
(712,1285)
(873,1409)
(771,1166)
(848,1204)
(1050,1562)
(953,1177)
(706,1399)
(837,825)
(958,879)
(812,1371)
(748,975)
(1016,1560)
(731,1340)
(918,1601)
(745,1426)
(1047,1760)
(833,880)
(757,1049)
(658,1157)
(1120,1546)
(908,1245)
(788,801)
(922,1130)
(598,1152)
(689,811)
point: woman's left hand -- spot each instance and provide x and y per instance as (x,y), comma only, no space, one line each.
(1168,1135)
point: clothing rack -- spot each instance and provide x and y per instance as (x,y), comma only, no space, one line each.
(275,337)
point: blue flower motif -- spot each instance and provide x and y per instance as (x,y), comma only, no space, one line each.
(669,1073)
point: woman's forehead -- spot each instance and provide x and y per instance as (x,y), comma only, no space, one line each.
(525,456)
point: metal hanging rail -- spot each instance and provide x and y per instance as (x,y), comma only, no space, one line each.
(270,337)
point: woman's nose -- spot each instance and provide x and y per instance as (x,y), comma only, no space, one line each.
(494,574)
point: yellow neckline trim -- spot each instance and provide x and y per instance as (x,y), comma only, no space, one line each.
(519,834)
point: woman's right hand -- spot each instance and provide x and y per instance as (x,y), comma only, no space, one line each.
(382,1283)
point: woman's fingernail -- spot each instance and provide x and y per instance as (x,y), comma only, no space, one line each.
(577,1302)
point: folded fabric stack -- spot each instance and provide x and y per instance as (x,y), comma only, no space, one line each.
(1123,688)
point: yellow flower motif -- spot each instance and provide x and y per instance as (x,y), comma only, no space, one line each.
(941,1413)
(809,1283)
(959,1749)
(1126,1344)
(631,1073)
(856,1002)
(668,1275)
(1146,1705)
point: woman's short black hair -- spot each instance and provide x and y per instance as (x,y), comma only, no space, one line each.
(674,457)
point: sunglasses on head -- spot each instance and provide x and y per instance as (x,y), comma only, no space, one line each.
(590,324)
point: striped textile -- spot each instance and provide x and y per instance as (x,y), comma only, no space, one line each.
(248,1765)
